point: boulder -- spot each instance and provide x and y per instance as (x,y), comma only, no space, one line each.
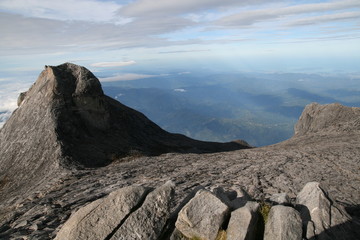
(283,223)
(148,221)
(320,213)
(243,222)
(98,219)
(280,198)
(202,216)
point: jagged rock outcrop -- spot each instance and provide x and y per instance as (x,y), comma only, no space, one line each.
(65,121)
(334,117)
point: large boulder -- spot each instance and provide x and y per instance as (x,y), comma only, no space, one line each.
(243,222)
(202,216)
(98,219)
(148,221)
(283,223)
(321,215)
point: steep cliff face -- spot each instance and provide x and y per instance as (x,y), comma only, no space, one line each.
(29,146)
(330,118)
(65,121)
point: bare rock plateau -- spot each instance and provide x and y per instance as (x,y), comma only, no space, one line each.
(77,164)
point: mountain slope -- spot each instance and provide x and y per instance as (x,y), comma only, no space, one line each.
(51,145)
(65,121)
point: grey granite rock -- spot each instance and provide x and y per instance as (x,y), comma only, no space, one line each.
(330,117)
(243,222)
(47,145)
(326,219)
(202,216)
(280,198)
(148,221)
(98,219)
(284,223)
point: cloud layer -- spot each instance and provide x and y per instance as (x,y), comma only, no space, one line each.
(113,64)
(84,25)
(126,77)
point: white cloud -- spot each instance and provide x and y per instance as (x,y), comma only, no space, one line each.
(127,77)
(250,17)
(9,91)
(143,8)
(84,10)
(185,51)
(324,19)
(35,35)
(183,73)
(179,90)
(113,64)
(91,29)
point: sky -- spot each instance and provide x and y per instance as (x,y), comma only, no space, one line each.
(145,38)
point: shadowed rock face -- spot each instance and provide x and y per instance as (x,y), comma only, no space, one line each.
(65,121)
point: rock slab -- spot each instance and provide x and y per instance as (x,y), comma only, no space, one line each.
(98,219)
(321,215)
(242,222)
(284,223)
(148,221)
(202,216)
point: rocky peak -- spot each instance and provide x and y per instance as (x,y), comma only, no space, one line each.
(65,121)
(74,80)
(328,118)
(64,81)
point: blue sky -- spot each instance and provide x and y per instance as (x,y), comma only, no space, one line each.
(141,38)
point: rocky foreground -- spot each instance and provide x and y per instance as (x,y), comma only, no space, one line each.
(131,213)
(45,178)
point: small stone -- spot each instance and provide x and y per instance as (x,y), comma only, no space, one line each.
(34,227)
(280,198)
(21,224)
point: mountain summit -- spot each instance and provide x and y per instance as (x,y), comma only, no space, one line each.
(64,121)
(67,145)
